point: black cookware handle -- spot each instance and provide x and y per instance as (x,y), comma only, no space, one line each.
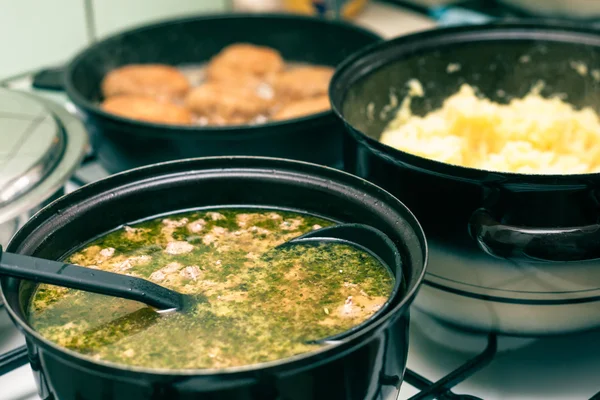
(13,359)
(534,244)
(50,79)
(88,279)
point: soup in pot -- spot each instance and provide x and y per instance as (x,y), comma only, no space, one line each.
(255,303)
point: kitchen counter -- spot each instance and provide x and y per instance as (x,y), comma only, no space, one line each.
(391,21)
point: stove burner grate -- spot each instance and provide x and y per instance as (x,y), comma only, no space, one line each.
(13,359)
(441,389)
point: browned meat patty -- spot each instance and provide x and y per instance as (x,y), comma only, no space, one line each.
(303,108)
(160,81)
(303,82)
(226,105)
(148,109)
(246,59)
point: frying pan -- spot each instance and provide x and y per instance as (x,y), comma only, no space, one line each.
(122,144)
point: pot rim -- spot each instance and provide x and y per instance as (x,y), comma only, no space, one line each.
(364,62)
(208,132)
(300,361)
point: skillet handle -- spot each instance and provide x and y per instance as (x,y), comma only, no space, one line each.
(50,79)
(534,244)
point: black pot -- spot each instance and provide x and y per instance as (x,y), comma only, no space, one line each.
(525,267)
(122,143)
(369,364)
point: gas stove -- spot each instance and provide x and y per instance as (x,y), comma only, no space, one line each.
(443,363)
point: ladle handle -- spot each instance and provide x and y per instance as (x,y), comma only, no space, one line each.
(89,280)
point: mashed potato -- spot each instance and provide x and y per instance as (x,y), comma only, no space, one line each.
(532,135)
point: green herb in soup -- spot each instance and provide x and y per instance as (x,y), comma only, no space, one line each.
(259,304)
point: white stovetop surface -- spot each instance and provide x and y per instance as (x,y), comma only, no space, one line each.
(545,369)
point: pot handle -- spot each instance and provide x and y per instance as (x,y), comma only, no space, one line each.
(534,244)
(50,79)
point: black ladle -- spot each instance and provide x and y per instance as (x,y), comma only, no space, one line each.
(90,280)
(138,289)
